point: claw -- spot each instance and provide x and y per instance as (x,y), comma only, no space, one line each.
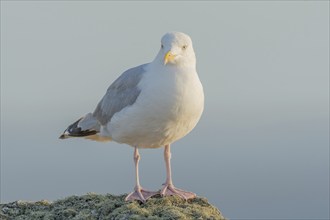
(169,190)
(140,195)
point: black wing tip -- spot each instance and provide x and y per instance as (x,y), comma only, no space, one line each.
(62,136)
(78,134)
(83,133)
(74,131)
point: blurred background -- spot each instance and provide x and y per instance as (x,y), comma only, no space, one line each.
(261,149)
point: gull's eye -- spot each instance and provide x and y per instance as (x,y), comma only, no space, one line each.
(162,46)
(184,47)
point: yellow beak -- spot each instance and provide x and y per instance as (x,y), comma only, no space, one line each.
(169,57)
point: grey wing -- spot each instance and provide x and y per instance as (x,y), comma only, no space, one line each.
(122,92)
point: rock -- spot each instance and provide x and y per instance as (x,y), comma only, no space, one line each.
(94,206)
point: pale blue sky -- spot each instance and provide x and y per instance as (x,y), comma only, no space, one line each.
(261,149)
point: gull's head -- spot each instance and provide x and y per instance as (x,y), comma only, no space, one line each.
(177,49)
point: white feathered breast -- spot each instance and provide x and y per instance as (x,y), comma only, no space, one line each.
(168,108)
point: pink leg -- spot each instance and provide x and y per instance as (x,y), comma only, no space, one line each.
(139,193)
(168,188)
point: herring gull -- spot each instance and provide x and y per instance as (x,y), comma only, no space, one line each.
(150,106)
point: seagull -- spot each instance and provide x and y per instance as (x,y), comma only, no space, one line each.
(150,106)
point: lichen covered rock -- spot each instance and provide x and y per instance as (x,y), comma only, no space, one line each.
(94,206)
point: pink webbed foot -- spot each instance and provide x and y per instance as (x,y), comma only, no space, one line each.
(169,190)
(140,195)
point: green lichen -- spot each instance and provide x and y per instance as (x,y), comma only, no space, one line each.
(93,206)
